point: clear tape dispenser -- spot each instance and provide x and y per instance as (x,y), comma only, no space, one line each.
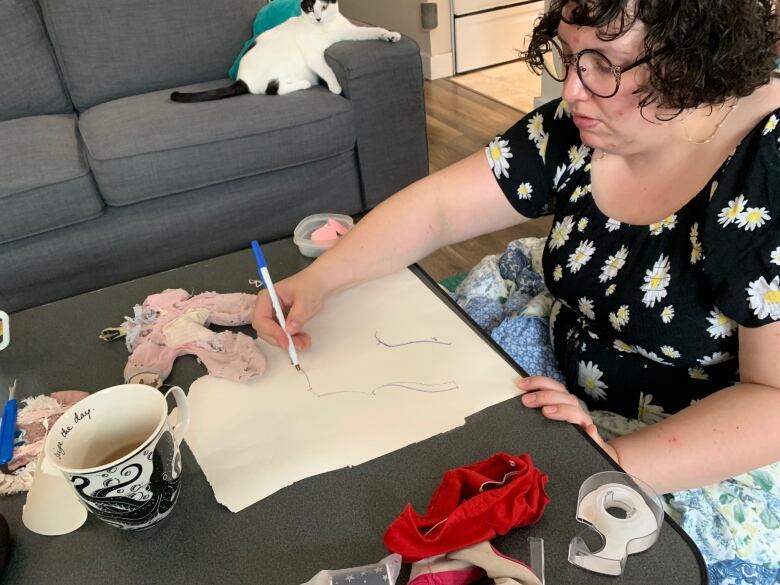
(625,517)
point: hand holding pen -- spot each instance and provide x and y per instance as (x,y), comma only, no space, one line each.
(265,276)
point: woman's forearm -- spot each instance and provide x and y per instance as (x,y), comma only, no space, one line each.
(728,433)
(459,202)
(395,234)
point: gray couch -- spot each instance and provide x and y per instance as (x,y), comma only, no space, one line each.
(104,179)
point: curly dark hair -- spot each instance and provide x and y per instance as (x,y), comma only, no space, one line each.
(704,52)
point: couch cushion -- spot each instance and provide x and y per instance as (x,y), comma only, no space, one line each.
(44,180)
(128,242)
(147,146)
(31,84)
(115,48)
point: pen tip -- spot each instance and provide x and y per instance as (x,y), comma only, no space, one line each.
(297,367)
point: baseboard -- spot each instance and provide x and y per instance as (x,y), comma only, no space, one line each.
(437,66)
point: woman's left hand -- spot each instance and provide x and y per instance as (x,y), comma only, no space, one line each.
(558,404)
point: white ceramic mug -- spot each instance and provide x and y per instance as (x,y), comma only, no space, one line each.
(120,453)
(5,336)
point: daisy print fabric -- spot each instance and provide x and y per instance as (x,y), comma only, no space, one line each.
(743,234)
(518,161)
(647,315)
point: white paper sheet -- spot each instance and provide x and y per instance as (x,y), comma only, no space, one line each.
(390,365)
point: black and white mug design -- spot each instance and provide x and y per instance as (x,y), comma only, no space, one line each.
(120,453)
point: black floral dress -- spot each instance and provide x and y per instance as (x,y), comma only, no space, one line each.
(645,317)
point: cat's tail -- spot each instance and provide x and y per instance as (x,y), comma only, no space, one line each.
(237,88)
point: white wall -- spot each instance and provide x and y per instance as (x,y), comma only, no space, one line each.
(404,16)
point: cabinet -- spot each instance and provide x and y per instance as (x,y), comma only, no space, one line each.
(488,32)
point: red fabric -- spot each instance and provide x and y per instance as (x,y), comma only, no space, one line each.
(472,504)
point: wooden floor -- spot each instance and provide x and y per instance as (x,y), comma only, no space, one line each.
(513,84)
(461,121)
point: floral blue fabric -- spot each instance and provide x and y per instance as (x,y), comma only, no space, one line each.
(520,337)
(507,298)
(737,571)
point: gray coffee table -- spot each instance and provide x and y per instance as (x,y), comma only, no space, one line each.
(334,520)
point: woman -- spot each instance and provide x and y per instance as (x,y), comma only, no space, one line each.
(662,169)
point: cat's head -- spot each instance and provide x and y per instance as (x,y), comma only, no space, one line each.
(320,10)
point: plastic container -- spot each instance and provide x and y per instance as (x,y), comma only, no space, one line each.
(303,231)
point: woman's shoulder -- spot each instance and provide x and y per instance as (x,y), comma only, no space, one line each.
(753,169)
(530,158)
(760,145)
(741,233)
(549,128)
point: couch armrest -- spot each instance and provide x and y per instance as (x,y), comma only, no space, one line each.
(384,82)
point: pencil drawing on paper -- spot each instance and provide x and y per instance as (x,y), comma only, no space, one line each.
(411,342)
(428,388)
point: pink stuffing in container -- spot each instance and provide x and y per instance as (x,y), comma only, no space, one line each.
(320,232)
(330,231)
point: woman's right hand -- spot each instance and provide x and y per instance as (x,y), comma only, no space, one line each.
(301,297)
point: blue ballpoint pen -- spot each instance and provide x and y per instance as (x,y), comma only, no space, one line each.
(8,427)
(265,276)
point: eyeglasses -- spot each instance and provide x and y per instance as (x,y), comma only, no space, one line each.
(596,72)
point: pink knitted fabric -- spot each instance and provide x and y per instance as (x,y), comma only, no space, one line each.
(173,323)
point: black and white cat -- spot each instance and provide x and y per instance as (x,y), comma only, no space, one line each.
(291,56)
